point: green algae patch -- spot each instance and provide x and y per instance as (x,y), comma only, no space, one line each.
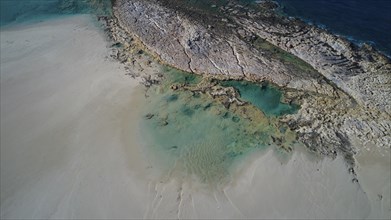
(193,134)
(294,62)
(172,75)
(266,97)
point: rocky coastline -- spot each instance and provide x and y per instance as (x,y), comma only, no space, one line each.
(343,90)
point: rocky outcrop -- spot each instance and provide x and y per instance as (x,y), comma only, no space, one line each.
(338,126)
(343,89)
(191,45)
(363,73)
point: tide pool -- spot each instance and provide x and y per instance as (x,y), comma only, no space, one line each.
(266,97)
(193,135)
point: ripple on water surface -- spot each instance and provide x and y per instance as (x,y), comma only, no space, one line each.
(194,135)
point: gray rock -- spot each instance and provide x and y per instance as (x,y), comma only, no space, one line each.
(343,89)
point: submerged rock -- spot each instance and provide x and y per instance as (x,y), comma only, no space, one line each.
(149,116)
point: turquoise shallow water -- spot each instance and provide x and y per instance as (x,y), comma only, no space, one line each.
(266,97)
(191,134)
(16,11)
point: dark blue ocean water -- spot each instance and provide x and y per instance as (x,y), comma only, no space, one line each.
(358,20)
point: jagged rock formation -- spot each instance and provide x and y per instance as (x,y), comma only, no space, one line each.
(343,90)
(194,46)
(362,72)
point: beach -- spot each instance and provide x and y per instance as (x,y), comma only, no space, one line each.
(68,147)
(71,146)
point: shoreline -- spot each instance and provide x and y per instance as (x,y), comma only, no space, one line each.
(151,80)
(254,46)
(70,143)
(330,122)
(352,37)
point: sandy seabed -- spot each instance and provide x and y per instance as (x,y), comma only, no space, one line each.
(70,146)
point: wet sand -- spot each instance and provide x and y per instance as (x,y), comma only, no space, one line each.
(71,146)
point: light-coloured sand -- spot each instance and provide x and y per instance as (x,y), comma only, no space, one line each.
(70,147)
(264,187)
(374,173)
(67,138)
